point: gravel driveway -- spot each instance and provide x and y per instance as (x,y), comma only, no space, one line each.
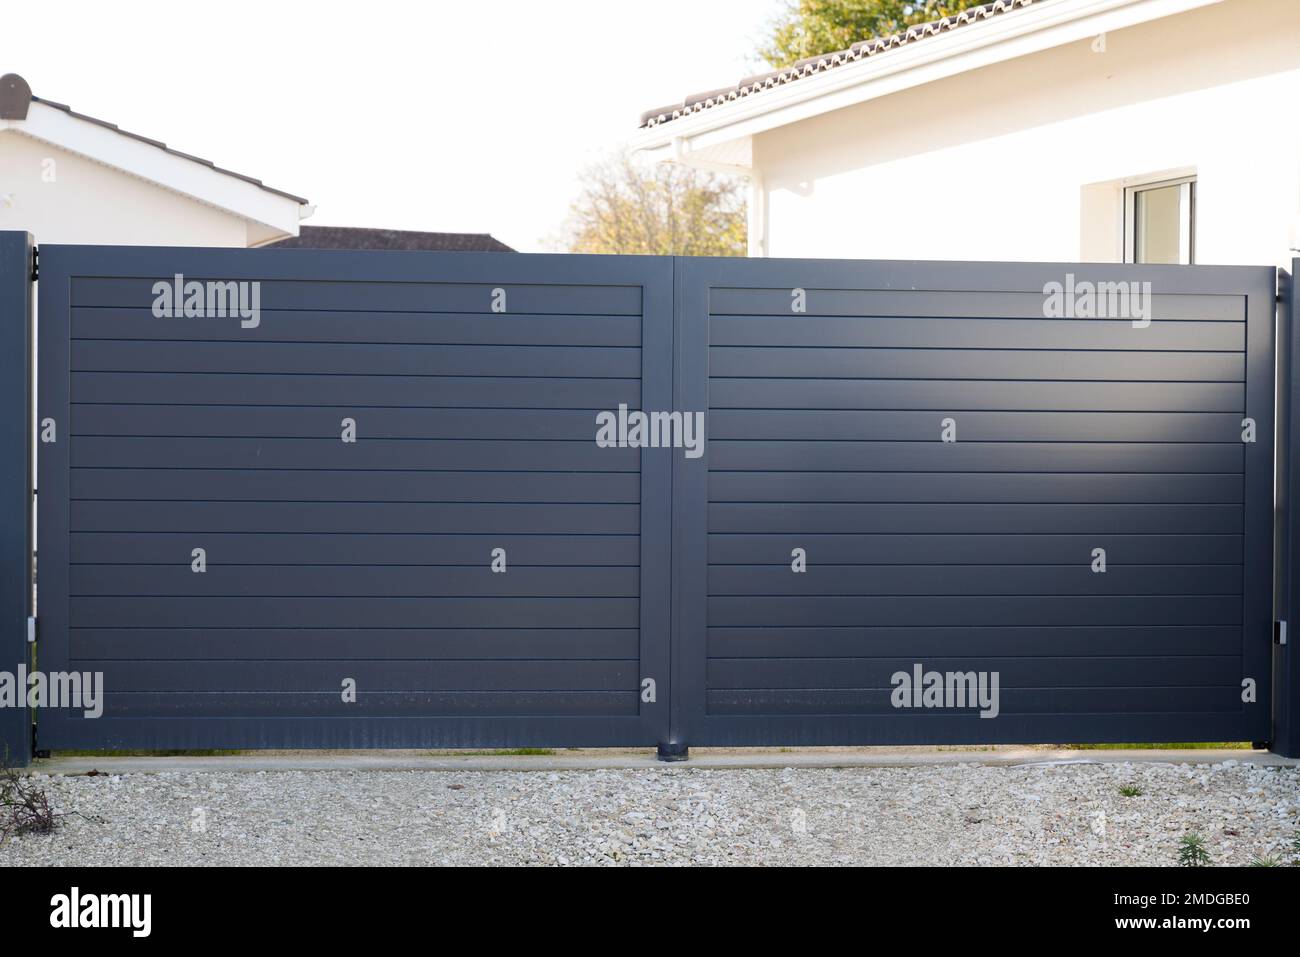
(955,814)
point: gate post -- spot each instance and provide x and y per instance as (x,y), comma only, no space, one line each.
(1286,659)
(16,264)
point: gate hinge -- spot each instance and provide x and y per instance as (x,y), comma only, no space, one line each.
(1279,632)
(36,263)
(31,630)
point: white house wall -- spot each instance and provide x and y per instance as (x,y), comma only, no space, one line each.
(88,202)
(1027,160)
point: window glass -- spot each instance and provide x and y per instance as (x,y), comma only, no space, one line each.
(1162,224)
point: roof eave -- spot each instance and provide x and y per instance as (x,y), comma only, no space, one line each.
(1049,24)
(145,159)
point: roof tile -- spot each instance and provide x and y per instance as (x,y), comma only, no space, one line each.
(810,66)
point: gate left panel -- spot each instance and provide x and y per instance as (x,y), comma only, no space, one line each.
(293,498)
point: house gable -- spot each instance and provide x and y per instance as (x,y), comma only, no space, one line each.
(250,213)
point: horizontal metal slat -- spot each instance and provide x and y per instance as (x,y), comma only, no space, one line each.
(922,643)
(958,364)
(367,644)
(232,677)
(294,422)
(953,519)
(1129,702)
(300,485)
(971,549)
(330,452)
(380,581)
(379,296)
(416,391)
(358,548)
(1004,609)
(1076,579)
(353,517)
(322,708)
(315,358)
(921,332)
(933,302)
(971,487)
(1058,672)
(366,326)
(971,395)
(807,424)
(354,612)
(962,456)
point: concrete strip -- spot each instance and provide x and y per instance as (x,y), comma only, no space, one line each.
(627,758)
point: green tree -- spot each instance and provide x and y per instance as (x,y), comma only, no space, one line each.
(813,27)
(667,209)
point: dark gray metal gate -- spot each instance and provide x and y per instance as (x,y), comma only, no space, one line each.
(473,381)
(1072,434)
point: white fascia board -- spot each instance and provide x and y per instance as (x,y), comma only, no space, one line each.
(146,161)
(1000,38)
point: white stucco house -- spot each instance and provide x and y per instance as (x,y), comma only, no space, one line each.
(70,178)
(1096,130)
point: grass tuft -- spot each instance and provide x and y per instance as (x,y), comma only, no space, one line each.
(1192,851)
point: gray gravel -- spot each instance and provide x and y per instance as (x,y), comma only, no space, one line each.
(960,814)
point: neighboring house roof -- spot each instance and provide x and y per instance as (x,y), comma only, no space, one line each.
(811,66)
(150,159)
(356,237)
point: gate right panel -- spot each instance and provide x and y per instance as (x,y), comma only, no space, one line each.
(830,388)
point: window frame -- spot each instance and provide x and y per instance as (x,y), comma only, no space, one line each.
(1130,214)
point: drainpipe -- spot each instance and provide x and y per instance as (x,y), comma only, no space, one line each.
(757,215)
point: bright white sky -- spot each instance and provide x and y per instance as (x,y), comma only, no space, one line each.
(467,116)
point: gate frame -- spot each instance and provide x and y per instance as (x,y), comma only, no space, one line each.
(17,272)
(60,263)
(1286,660)
(691,723)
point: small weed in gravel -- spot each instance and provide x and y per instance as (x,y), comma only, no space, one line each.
(1192,851)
